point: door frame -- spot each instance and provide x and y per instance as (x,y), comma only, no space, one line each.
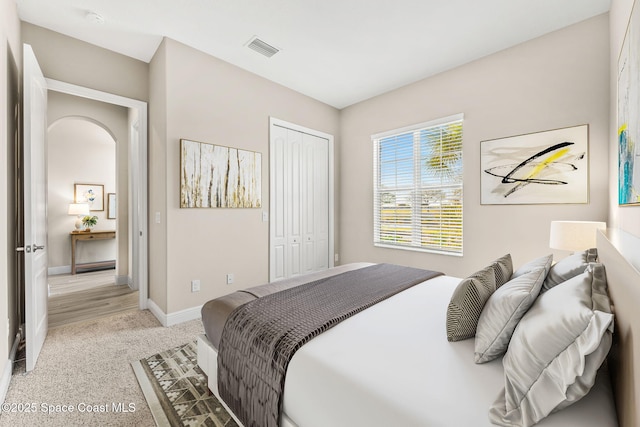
(137,180)
(284,124)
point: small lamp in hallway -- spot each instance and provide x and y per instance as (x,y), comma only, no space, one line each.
(80,210)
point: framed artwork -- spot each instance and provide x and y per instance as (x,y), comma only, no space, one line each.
(111,206)
(92,194)
(629,114)
(536,168)
(215,176)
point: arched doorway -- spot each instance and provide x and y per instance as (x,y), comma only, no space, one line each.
(81,155)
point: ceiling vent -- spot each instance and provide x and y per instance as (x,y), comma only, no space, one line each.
(261,47)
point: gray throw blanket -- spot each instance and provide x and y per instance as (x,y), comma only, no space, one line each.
(261,336)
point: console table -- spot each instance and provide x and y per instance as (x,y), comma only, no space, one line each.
(87,236)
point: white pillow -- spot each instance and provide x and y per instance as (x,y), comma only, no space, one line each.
(502,313)
(543,261)
(556,350)
(569,267)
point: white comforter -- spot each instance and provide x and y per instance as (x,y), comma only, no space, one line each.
(392,365)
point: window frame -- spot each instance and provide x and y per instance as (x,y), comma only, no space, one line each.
(417,186)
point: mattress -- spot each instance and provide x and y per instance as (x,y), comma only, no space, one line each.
(392,365)
(215,312)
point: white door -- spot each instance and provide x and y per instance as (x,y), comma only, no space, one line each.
(317,212)
(35,207)
(286,204)
(301,200)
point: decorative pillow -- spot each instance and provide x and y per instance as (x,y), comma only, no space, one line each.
(569,267)
(502,313)
(467,302)
(556,350)
(544,261)
(504,269)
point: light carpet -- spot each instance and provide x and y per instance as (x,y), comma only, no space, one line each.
(176,390)
(86,367)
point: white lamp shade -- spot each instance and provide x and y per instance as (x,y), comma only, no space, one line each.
(78,209)
(574,235)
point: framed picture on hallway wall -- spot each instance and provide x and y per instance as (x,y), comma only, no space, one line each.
(111,205)
(215,176)
(92,194)
(537,168)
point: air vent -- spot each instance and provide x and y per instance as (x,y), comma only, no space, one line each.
(262,48)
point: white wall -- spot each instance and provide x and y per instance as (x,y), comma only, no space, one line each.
(555,81)
(79,152)
(627,217)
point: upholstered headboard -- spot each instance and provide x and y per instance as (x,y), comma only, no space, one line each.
(620,253)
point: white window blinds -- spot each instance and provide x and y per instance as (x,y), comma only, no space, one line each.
(418,187)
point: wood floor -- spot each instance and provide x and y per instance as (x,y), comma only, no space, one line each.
(86,296)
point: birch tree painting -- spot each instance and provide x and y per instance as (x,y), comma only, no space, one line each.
(214,176)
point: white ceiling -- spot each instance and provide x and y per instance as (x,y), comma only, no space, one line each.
(337,51)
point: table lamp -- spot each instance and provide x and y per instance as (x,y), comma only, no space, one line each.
(80,210)
(574,235)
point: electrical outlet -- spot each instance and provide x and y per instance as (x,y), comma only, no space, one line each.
(229,279)
(195,285)
(336,257)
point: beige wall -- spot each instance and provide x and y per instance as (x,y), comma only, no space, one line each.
(157,155)
(73,61)
(626,218)
(10,70)
(561,79)
(555,81)
(209,100)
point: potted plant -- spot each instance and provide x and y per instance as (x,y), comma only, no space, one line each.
(89,222)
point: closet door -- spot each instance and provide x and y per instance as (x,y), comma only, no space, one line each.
(299,203)
(316,203)
(294,202)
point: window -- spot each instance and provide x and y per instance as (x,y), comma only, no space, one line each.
(418,187)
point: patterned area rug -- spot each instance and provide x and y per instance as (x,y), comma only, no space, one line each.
(176,389)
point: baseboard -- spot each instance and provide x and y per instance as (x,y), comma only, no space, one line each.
(5,379)
(171,319)
(124,280)
(63,269)
(66,269)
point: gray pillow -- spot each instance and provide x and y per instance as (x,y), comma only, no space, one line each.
(556,350)
(502,313)
(467,302)
(569,267)
(543,261)
(504,269)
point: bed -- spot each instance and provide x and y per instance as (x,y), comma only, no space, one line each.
(392,364)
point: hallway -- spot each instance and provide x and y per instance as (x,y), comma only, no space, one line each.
(87,296)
